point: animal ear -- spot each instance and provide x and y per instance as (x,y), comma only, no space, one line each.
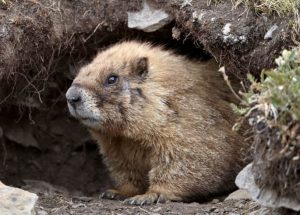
(140,67)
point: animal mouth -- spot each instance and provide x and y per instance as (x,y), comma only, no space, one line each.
(87,119)
(84,118)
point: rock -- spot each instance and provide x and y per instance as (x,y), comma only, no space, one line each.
(148,19)
(226,29)
(215,201)
(264,211)
(176,33)
(270,32)
(239,195)
(230,37)
(42,212)
(266,197)
(16,201)
(185,3)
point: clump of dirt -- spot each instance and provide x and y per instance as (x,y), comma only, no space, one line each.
(234,35)
(273,166)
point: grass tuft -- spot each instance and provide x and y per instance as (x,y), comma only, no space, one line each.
(280,7)
(213,2)
(277,96)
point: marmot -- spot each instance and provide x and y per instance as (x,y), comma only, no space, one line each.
(162,121)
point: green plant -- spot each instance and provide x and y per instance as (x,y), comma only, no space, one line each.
(272,106)
(277,95)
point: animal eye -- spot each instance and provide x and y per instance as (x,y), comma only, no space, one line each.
(112,79)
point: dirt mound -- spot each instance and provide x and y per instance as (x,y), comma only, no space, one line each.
(234,34)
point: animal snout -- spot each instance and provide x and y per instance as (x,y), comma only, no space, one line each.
(74,96)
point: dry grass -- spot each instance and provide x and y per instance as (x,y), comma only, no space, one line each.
(5,2)
(279,7)
(213,2)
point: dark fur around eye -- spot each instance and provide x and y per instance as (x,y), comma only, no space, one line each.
(112,79)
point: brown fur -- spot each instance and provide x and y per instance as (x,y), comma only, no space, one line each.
(166,130)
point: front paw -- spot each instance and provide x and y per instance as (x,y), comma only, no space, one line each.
(146,199)
(112,194)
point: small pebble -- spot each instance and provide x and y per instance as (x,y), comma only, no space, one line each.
(157,209)
(215,201)
(212,209)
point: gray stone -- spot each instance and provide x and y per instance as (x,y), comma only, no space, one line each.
(239,195)
(266,197)
(263,211)
(148,19)
(230,37)
(16,201)
(270,32)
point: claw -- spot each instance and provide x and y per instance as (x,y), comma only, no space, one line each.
(161,199)
(111,194)
(129,201)
(145,199)
(102,195)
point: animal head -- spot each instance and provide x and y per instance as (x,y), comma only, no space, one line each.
(122,86)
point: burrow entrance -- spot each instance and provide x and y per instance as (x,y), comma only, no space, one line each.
(40,142)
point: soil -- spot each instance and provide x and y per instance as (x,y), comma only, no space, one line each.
(243,49)
(56,200)
(58,204)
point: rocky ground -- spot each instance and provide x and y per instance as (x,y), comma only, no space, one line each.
(56,200)
(53,200)
(58,204)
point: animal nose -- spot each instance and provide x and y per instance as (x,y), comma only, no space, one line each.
(73,96)
(74,99)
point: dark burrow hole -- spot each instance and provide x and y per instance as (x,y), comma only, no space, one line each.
(40,142)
